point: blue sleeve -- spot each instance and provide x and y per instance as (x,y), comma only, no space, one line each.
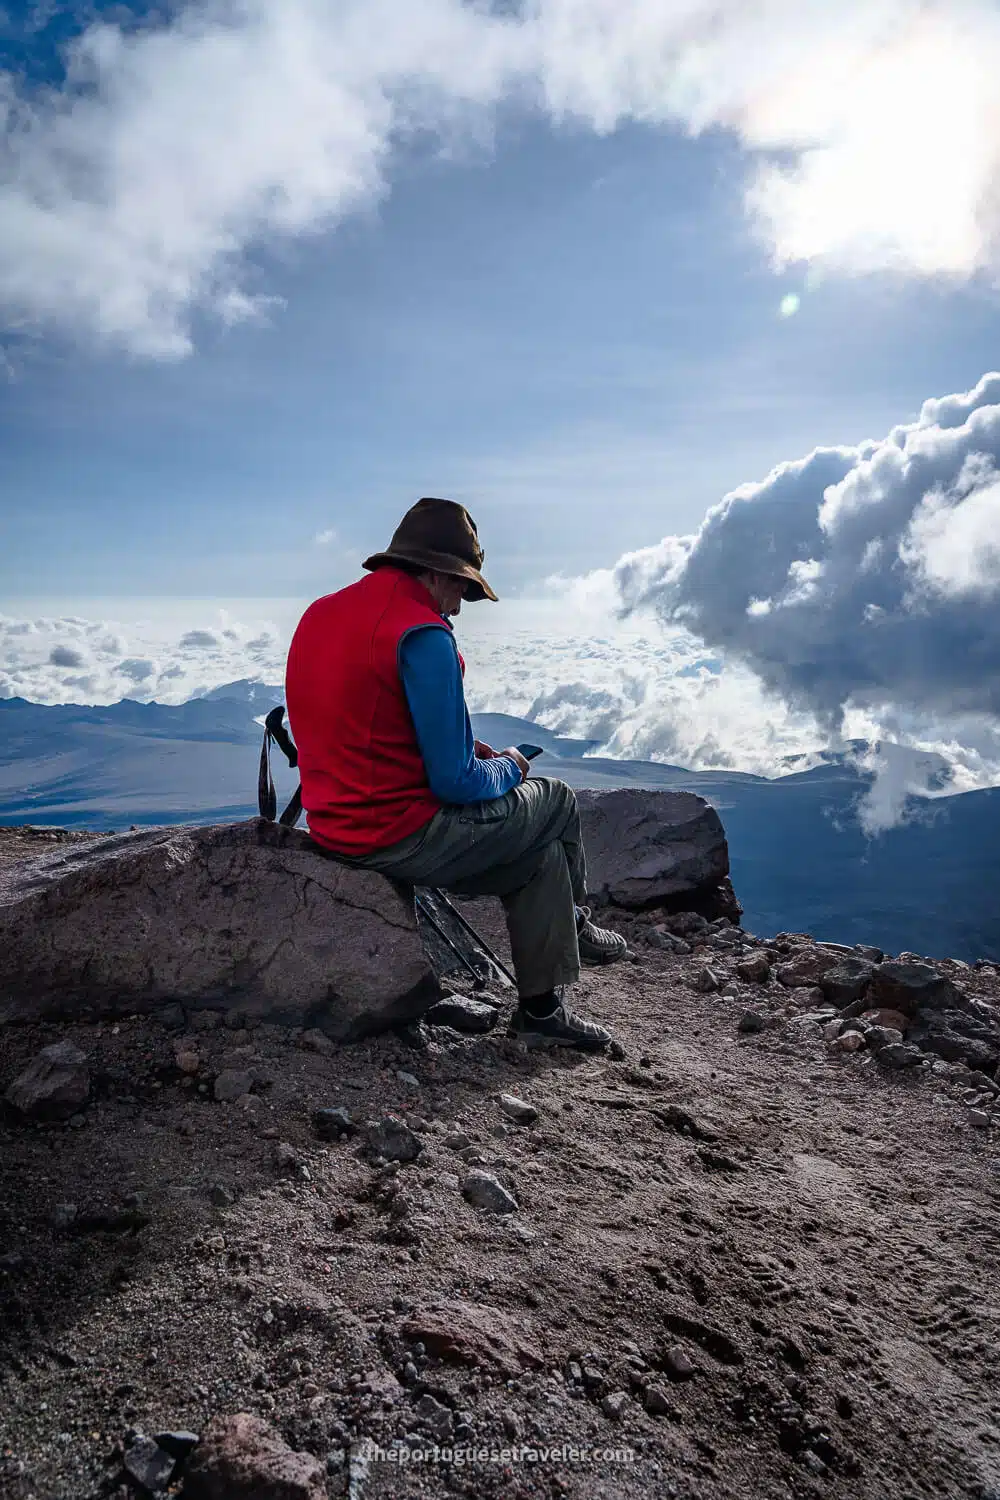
(432,680)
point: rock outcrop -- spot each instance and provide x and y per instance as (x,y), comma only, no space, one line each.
(652,848)
(245,914)
(252,916)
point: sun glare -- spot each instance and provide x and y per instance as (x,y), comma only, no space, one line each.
(900,168)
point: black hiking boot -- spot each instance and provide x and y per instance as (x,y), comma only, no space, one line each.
(598,945)
(563,1028)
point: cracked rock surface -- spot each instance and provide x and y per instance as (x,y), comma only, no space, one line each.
(243,912)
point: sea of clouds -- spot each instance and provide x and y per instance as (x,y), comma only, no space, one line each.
(853,594)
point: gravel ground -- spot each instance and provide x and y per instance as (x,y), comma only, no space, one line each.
(740,1265)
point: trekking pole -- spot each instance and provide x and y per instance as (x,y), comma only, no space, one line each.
(474,934)
(477,979)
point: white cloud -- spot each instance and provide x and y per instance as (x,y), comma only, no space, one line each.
(131,195)
(953,541)
(172,659)
(859,576)
(852,594)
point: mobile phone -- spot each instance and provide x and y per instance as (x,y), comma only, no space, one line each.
(529,751)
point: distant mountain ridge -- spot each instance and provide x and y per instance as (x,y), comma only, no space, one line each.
(800,861)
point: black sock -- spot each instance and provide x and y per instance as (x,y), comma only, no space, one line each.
(540,1006)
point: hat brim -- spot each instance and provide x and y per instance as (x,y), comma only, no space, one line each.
(436,562)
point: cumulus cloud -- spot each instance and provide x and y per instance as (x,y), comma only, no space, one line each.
(66,656)
(859,585)
(864,575)
(132,193)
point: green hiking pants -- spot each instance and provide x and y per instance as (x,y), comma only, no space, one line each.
(525,848)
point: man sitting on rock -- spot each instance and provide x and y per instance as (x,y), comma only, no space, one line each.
(393,781)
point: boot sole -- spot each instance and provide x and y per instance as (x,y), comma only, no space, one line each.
(538,1039)
(599,960)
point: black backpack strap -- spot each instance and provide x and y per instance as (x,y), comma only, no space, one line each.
(267,800)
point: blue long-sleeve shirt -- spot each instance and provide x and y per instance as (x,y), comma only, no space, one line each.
(432,680)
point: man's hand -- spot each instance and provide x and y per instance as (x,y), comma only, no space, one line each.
(519,761)
(484,751)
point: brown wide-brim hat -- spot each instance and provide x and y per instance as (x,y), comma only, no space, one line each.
(441,536)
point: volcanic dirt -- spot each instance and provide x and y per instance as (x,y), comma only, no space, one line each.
(740,1265)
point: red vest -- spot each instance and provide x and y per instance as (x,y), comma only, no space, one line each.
(364,786)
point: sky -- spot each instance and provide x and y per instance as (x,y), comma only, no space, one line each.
(639,281)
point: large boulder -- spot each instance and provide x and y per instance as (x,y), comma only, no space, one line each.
(913,987)
(246,914)
(652,848)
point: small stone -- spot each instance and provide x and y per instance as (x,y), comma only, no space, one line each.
(318,1041)
(63,1216)
(483,1190)
(187,1061)
(897,1055)
(677,1365)
(658,1403)
(392,1139)
(832,1030)
(878,1037)
(221,1195)
(517,1110)
(149,1465)
(286,1158)
(462,1013)
(331,1124)
(178,1444)
(885,1016)
(846,982)
(54,1085)
(804,968)
(409,1079)
(614,1404)
(979,1118)
(511,1424)
(231,1084)
(457,1140)
(848,1041)
(705,981)
(437,1418)
(755,969)
(171,1017)
(751,1022)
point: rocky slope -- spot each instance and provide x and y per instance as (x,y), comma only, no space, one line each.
(743,1256)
